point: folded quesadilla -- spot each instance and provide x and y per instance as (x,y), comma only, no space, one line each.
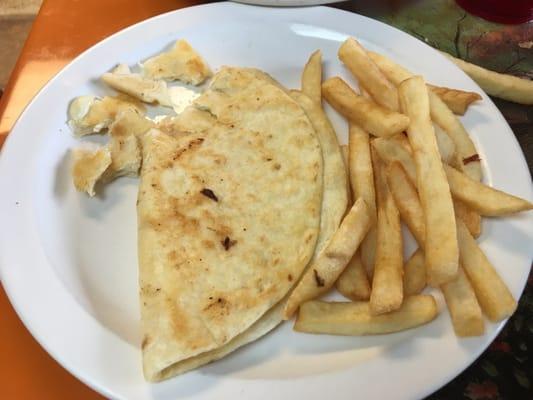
(228,213)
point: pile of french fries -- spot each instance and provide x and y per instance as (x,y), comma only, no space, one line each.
(409,160)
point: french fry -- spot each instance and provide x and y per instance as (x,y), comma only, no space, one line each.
(345,157)
(471,218)
(362,183)
(312,77)
(503,86)
(354,56)
(495,299)
(442,252)
(356,318)
(401,139)
(353,282)
(466,151)
(445,145)
(460,297)
(395,73)
(440,114)
(480,198)
(370,116)
(330,263)
(387,283)
(414,275)
(483,199)
(456,100)
(390,151)
(363,92)
(464,308)
(406,199)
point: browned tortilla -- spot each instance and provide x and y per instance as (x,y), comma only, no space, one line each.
(229,213)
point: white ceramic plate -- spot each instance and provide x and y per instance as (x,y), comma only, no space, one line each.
(69,263)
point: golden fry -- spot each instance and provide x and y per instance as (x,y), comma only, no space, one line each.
(483,199)
(466,151)
(462,303)
(312,77)
(414,275)
(363,92)
(406,199)
(345,157)
(503,86)
(471,218)
(394,72)
(465,312)
(387,283)
(353,282)
(356,319)
(323,273)
(440,114)
(442,252)
(495,299)
(445,145)
(362,183)
(457,100)
(480,198)
(370,116)
(354,56)
(402,140)
(390,151)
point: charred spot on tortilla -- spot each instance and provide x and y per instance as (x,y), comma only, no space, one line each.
(209,193)
(195,142)
(336,256)
(227,243)
(319,280)
(220,302)
(192,144)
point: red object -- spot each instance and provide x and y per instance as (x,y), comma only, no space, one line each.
(505,12)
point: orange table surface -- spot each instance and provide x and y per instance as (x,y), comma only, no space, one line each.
(62,30)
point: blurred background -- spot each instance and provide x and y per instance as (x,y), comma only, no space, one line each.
(16,17)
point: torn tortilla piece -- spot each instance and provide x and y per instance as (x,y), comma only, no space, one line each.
(181,63)
(145,89)
(90,114)
(88,167)
(124,144)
